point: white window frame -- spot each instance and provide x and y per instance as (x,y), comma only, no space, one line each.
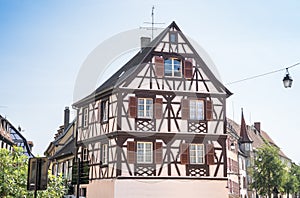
(173,68)
(104,111)
(197,154)
(196,111)
(145,113)
(144,154)
(85,117)
(85,154)
(104,154)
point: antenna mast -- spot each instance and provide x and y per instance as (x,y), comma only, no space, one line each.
(152,15)
(152,23)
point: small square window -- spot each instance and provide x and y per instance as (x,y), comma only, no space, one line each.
(173,37)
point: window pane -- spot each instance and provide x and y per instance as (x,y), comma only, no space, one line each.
(173,37)
(168,67)
(177,68)
(196,109)
(200,110)
(141,101)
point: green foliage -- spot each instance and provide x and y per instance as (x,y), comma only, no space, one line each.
(13,173)
(13,177)
(292,180)
(56,187)
(268,171)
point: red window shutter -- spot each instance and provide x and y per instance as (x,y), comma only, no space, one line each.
(184,153)
(185,112)
(210,154)
(159,66)
(209,110)
(188,69)
(132,109)
(158,108)
(131,152)
(158,152)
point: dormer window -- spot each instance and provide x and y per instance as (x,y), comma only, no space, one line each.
(173,67)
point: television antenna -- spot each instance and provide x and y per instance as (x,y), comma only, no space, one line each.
(152,28)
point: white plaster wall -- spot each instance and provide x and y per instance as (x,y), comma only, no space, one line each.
(171,188)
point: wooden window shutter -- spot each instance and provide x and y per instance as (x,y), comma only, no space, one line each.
(131,152)
(158,108)
(209,110)
(188,69)
(185,112)
(158,152)
(184,153)
(210,154)
(132,109)
(99,112)
(159,66)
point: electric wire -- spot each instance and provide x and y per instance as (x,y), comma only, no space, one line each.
(264,74)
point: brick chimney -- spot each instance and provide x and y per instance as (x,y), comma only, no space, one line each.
(145,42)
(66,118)
(257,126)
(30,144)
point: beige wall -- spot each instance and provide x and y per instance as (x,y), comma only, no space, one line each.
(170,188)
(157,188)
(100,188)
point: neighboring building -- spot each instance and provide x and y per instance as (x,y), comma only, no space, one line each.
(157,127)
(233,154)
(61,151)
(10,137)
(250,139)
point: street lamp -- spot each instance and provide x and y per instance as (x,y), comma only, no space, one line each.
(287,80)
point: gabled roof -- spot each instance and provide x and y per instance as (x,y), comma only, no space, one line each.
(132,65)
(258,138)
(67,150)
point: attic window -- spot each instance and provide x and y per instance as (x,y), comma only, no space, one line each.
(173,37)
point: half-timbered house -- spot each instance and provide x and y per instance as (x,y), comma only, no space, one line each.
(157,127)
(10,136)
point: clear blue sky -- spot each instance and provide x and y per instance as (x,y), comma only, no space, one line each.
(44,43)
